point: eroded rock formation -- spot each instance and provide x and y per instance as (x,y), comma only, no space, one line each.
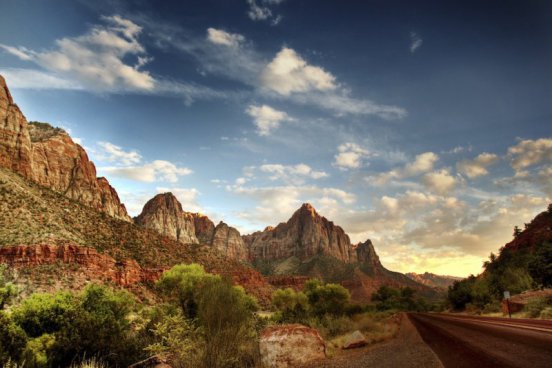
(48,156)
(164,214)
(96,265)
(304,235)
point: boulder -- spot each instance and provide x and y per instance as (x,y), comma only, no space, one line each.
(355,340)
(291,345)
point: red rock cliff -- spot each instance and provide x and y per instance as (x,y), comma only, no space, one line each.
(48,156)
(304,235)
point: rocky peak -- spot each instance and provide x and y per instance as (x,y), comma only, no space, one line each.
(366,254)
(164,214)
(304,235)
(49,157)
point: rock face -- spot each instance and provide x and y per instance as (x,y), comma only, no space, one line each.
(293,345)
(164,214)
(366,254)
(304,235)
(48,156)
(97,266)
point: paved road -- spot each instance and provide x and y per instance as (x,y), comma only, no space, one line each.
(463,341)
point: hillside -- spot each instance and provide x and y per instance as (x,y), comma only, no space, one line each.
(32,215)
(309,245)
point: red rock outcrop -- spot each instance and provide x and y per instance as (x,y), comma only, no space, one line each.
(48,156)
(98,266)
(294,345)
(366,254)
(164,214)
(304,235)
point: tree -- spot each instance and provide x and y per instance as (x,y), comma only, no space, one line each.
(12,340)
(293,306)
(540,265)
(181,283)
(517,231)
(7,290)
(326,298)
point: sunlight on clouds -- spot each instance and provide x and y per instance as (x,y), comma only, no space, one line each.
(221,37)
(478,166)
(97,58)
(350,156)
(530,152)
(158,170)
(266,118)
(288,73)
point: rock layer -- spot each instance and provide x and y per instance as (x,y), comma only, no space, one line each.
(98,266)
(304,235)
(164,214)
(48,156)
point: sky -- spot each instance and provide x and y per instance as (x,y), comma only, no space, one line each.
(425,126)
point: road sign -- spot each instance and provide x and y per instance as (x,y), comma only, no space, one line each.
(506,295)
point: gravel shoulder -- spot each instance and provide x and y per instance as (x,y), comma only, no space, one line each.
(407,349)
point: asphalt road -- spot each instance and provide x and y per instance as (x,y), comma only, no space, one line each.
(463,341)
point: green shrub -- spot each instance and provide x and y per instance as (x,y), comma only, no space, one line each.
(326,298)
(291,305)
(535,306)
(12,340)
(222,313)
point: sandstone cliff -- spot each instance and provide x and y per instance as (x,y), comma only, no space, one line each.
(164,214)
(48,156)
(304,235)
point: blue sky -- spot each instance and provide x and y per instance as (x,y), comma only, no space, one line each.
(425,126)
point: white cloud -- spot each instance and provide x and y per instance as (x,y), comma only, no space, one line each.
(440,182)
(113,153)
(415,42)
(293,173)
(288,73)
(98,58)
(158,170)
(35,79)
(350,156)
(263,12)
(277,203)
(423,163)
(530,152)
(478,166)
(221,37)
(266,118)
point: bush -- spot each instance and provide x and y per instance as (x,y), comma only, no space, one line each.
(540,266)
(326,298)
(12,341)
(7,290)
(65,327)
(536,306)
(292,306)
(222,313)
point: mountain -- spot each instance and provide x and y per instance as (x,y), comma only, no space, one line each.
(61,227)
(164,214)
(433,280)
(49,157)
(309,245)
(535,233)
(304,235)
